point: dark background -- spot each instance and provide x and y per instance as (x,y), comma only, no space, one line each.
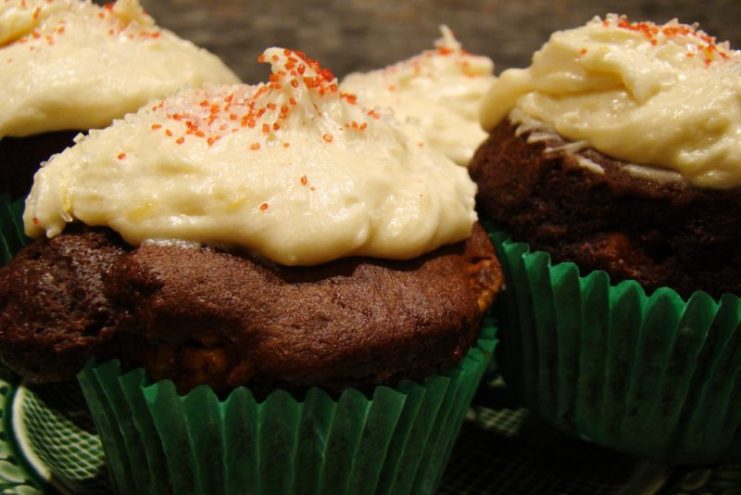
(349,35)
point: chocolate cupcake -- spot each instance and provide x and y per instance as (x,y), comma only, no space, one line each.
(438,91)
(70,65)
(277,273)
(618,168)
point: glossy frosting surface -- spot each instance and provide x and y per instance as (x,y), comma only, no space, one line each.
(73,65)
(438,90)
(665,96)
(293,169)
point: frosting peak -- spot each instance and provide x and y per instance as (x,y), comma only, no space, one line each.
(665,96)
(439,91)
(293,169)
(74,65)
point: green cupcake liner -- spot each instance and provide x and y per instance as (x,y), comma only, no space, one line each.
(12,237)
(156,441)
(396,441)
(651,375)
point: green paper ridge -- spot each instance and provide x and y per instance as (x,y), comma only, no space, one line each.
(615,376)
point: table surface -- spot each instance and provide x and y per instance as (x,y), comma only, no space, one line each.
(351,35)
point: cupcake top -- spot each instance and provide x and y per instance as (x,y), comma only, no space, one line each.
(664,96)
(438,90)
(70,64)
(293,169)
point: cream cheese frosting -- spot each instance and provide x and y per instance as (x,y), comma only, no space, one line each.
(664,96)
(439,91)
(293,169)
(71,64)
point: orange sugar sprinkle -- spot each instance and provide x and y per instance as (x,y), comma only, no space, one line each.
(233,116)
(294,83)
(211,140)
(363,126)
(304,180)
(266,128)
(350,98)
(255,146)
(271,105)
(276,126)
(583,52)
(374,114)
(121,156)
(327,138)
(264,206)
(292,100)
(286,145)
(180,140)
(443,50)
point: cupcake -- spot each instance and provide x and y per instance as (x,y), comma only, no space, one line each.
(279,289)
(67,66)
(438,91)
(612,170)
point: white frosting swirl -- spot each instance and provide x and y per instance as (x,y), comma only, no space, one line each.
(439,91)
(70,64)
(665,96)
(292,169)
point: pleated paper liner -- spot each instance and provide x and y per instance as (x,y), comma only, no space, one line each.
(396,441)
(12,237)
(651,375)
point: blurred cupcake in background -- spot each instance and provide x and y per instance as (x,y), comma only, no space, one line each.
(439,91)
(67,66)
(612,178)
